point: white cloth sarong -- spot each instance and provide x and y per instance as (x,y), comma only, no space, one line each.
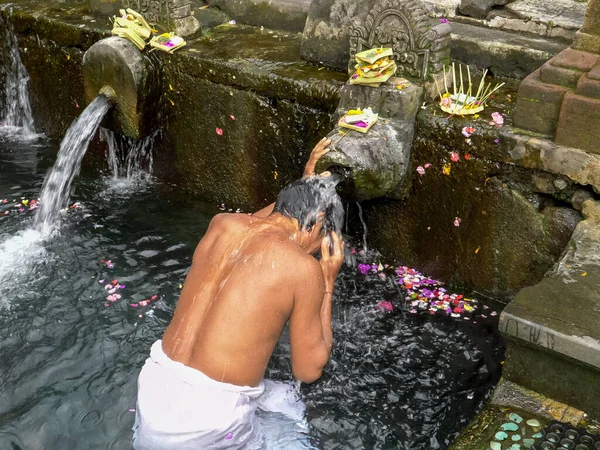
(179,407)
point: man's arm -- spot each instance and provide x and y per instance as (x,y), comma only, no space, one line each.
(311,336)
(309,170)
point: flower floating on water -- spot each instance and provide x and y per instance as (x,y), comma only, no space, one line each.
(443,20)
(232,22)
(427,166)
(467,156)
(385,306)
(457,222)
(231,116)
(420,170)
(219,131)
(446,169)
(454,156)
(468,131)
(497,119)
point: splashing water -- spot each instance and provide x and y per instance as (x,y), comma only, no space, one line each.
(57,184)
(16,117)
(129,159)
(360,216)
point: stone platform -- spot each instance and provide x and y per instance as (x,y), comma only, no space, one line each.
(553,328)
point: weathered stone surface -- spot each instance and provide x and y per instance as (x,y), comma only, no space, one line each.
(579,123)
(588,88)
(336,29)
(503,53)
(591,24)
(587,42)
(105,7)
(574,59)
(176,15)
(486,251)
(289,15)
(211,17)
(559,76)
(479,8)
(566,14)
(558,320)
(538,105)
(134,77)
(388,101)
(376,163)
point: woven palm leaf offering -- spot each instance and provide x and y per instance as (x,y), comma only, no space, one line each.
(374,66)
(465,99)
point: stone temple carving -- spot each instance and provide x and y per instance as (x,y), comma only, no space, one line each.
(175,14)
(419,49)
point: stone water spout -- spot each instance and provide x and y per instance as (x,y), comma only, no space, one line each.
(115,68)
(377,163)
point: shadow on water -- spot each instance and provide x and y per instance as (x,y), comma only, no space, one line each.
(69,358)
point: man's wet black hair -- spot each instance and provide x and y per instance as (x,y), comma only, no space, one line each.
(306,198)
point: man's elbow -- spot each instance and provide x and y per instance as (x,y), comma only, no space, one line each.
(308,376)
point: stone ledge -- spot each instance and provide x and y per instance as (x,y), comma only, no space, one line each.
(289,15)
(557,319)
(505,54)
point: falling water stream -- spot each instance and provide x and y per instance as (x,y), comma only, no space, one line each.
(15,111)
(364,225)
(57,185)
(129,159)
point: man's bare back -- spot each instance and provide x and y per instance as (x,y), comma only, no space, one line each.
(249,276)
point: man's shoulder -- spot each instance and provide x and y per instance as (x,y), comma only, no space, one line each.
(229,220)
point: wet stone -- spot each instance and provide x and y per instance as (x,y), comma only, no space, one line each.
(515,417)
(501,436)
(509,426)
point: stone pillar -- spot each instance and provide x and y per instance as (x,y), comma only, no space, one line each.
(562,99)
(588,38)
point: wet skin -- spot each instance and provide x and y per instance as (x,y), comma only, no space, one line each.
(249,276)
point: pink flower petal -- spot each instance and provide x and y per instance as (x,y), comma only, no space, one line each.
(457,222)
(420,170)
(219,131)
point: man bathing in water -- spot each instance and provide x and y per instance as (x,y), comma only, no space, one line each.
(250,275)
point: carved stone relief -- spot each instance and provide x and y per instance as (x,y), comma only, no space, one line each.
(404,26)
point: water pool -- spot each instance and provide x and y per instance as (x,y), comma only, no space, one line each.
(70,358)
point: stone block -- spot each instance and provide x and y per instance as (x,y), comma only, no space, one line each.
(105,7)
(533,88)
(276,14)
(586,42)
(583,106)
(388,101)
(476,8)
(588,88)
(538,105)
(181,12)
(594,74)
(575,59)
(536,116)
(559,75)
(579,123)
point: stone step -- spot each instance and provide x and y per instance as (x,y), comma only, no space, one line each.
(553,328)
(504,53)
(288,15)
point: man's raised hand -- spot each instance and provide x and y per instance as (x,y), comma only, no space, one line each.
(317,152)
(332,256)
